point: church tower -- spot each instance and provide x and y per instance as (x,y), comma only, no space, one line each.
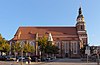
(81,27)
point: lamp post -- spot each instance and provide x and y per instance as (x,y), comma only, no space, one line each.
(39,52)
(10,47)
(87,51)
(97,52)
(36,47)
(22,43)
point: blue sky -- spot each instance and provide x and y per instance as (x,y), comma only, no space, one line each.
(15,13)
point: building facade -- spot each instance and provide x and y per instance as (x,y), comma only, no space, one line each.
(68,39)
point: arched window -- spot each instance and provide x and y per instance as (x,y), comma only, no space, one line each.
(32,43)
(81,27)
(75,48)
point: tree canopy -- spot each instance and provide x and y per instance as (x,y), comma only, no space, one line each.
(46,46)
(4,46)
(27,48)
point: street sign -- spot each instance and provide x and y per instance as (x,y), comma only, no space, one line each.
(87,52)
(87,48)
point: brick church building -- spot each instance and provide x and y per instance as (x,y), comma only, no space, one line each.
(68,39)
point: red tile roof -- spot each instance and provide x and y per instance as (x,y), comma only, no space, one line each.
(30,32)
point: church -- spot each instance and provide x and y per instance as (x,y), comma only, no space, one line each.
(68,39)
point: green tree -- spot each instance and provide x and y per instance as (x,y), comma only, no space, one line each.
(15,48)
(46,46)
(28,48)
(55,49)
(42,42)
(4,46)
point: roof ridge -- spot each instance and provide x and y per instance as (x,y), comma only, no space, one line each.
(48,26)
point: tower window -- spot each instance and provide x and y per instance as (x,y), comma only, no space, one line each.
(81,27)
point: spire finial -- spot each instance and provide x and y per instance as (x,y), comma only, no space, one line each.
(80,10)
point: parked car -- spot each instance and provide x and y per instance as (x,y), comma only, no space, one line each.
(11,58)
(22,58)
(34,58)
(3,58)
(43,59)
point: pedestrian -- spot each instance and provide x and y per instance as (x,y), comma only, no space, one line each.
(17,60)
(29,60)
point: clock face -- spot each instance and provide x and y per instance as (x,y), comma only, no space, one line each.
(80,20)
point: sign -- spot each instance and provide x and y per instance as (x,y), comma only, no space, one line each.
(87,51)
(87,48)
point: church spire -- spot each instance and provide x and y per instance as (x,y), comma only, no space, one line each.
(80,21)
(80,11)
(81,27)
(80,15)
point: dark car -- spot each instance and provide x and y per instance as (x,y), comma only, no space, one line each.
(33,59)
(3,58)
(43,59)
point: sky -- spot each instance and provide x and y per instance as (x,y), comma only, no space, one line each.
(15,13)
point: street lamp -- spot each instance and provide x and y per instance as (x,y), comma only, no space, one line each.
(10,47)
(97,52)
(36,47)
(21,45)
(39,52)
(87,51)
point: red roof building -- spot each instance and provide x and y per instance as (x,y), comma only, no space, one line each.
(68,39)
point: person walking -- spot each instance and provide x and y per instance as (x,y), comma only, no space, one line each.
(29,60)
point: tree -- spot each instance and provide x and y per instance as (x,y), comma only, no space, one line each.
(27,48)
(15,48)
(46,46)
(42,42)
(55,49)
(4,46)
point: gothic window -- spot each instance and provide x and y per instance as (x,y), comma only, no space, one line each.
(58,44)
(32,43)
(64,46)
(67,47)
(75,48)
(71,47)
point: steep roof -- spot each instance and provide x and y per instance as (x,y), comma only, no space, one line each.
(30,32)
